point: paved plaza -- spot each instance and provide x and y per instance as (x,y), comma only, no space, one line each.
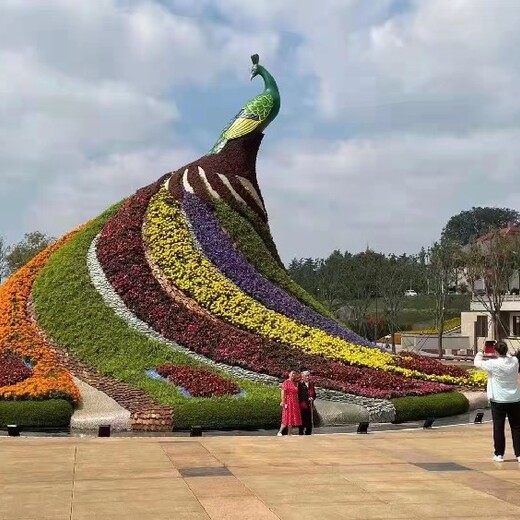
(439,473)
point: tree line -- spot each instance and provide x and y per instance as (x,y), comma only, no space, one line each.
(453,264)
(17,255)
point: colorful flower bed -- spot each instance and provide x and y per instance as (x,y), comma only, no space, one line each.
(121,254)
(218,248)
(171,247)
(429,365)
(48,379)
(12,369)
(252,247)
(71,310)
(198,381)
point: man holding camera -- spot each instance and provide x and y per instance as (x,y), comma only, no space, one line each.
(504,396)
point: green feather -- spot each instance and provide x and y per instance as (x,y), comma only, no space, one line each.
(255,115)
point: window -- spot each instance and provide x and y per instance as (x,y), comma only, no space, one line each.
(516,325)
(481,327)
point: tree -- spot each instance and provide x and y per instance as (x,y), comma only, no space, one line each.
(490,263)
(22,252)
(471,224)
(363,273)
(3,259)
(441,274)
(397,276)
(330,280)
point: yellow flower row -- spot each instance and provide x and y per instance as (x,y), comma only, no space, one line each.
(172,248)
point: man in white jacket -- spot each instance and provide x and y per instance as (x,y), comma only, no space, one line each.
(504,395)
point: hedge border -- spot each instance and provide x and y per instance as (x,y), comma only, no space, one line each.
(415,408)
(50,413)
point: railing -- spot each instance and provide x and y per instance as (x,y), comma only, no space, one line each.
(506,298)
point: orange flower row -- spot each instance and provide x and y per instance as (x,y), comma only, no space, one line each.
(17,333)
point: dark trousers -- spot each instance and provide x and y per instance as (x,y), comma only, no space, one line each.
(306,426)
(500,411)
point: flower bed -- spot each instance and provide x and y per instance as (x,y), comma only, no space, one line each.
(12,369)
(172,248)
(198,381)
(121,254)
(72,312)
(428,365)
(48,380)
(251,245)
(218,248)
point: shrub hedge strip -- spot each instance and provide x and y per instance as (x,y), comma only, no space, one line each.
(435,405)
(49,413)
(70,309)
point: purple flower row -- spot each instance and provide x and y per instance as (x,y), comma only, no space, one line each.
(219,249)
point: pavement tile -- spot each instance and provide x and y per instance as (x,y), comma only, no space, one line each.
(486,507)
(217,487)
(237,508)
(134,508)
(341,512)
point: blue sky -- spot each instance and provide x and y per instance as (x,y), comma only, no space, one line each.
(396,114)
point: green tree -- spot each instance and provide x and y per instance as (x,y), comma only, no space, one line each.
(22,252)
(443,257)
(397,275)
(471,224)
(3,259)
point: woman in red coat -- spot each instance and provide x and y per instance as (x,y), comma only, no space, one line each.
(290,404)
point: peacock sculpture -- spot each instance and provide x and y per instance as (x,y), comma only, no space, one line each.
(179,308)
(257,113)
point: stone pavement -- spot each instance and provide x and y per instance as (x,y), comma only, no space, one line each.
(440,473)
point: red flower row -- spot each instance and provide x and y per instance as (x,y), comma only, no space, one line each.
(198,381)
(427,365)
(121,253)
(12,369)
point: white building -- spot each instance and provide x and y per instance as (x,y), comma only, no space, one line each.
(477,323)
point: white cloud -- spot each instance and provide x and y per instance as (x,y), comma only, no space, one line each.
(410,109)
(86,87)
(393,193)
(96,185)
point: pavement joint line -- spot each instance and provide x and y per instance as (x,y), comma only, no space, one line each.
(73,481)
(374,432)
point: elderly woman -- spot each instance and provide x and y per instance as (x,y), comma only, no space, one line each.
(290,403)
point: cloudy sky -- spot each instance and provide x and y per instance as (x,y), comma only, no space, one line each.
(396,114)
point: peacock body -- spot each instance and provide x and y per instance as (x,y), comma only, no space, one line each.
(257,112)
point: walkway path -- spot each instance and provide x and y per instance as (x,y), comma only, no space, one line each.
(440,473)
(96,409)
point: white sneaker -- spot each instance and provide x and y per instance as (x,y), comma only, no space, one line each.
(498,458)
(518,458)
(279,434)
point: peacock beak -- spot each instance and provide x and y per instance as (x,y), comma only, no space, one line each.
(252,76)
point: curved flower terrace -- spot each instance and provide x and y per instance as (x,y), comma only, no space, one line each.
(183,282)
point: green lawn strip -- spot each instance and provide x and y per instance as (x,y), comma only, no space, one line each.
(53,413)
(435,405)
(70,309)
(254,249)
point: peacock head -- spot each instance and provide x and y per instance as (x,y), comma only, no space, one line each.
(254,69)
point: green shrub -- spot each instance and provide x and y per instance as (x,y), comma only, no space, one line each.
(50,413)
(253,247)
(71,310)
(416,408)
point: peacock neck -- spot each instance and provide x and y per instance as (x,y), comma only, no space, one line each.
(269,82)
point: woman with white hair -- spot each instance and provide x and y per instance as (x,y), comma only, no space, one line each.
(306,396)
